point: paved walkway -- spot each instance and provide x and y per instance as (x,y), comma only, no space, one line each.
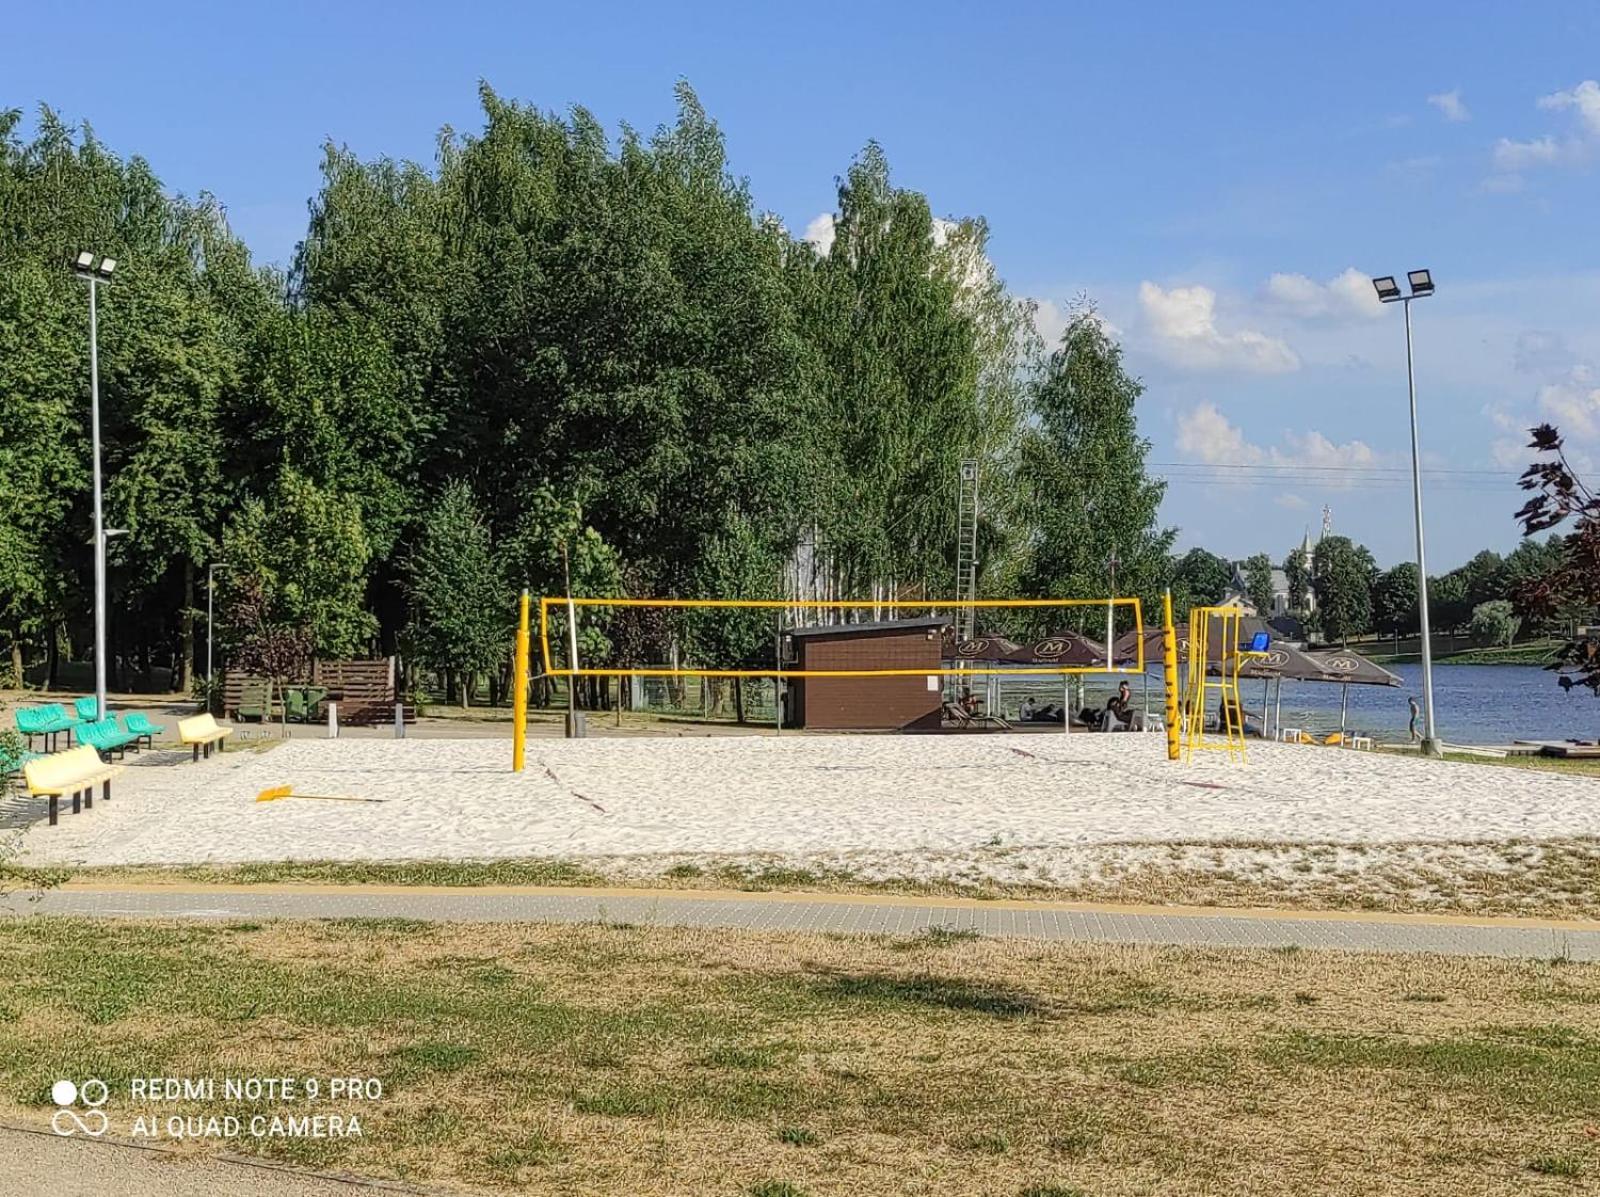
(846,913)
(40,1164)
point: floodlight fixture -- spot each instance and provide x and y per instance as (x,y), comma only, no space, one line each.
(1388,290)
(85,261)
(1421,283)
(107,265)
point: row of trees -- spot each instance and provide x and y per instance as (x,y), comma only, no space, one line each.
(557,354)
(1491,595)
(552,353)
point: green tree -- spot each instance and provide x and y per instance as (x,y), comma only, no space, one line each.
(1258,582)
(1081,469)
(1297,571)
(1199,578)
(1448,610)
(1342,577)
(1526,567)
(1394,600)
(1495,622)
(307,550)
(918,355)
(461,607)
(1485,576)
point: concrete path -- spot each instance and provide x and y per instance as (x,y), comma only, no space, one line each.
(40,1164)
(845,913)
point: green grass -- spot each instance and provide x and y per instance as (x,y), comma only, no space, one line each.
(606,1059)
(1555,1165)
(775,1188)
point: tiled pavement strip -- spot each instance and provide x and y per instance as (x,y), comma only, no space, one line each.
(851,914)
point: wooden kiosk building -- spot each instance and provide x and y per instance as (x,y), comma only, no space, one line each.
(905,703)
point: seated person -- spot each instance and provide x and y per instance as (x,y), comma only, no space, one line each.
(1119,710)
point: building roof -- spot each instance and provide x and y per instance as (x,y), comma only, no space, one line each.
(882,625)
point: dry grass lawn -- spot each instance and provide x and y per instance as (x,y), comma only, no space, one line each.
(613,1059)
(1525,878)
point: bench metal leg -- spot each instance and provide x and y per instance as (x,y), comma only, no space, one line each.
(105,792)
(88,797)
(53,800)
(77,797)
(197,752)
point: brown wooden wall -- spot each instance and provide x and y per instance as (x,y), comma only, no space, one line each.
(366,688)
(868,703)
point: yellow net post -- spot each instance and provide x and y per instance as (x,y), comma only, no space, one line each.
(1169,674)
(519,692)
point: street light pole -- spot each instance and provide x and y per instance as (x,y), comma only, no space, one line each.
(1430,736)
(94,271)
(1421,284)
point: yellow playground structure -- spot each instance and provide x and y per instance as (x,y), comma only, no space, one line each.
(1215,658)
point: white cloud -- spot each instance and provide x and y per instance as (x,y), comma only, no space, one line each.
(1585,98)
(1449,103)
(820,232)
(1345,295)
(1184,323)
(1206,435)
(1511,452)
(1290,500)
(1510,156)
(1314,449)
(1521,155)
(1573,404)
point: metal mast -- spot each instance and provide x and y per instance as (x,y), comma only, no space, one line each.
(967,547)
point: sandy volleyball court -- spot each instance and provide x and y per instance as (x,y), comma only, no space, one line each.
(885,803)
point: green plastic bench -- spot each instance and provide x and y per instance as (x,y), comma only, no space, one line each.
(138,725)
(48,720)
(88,708)
(105,735)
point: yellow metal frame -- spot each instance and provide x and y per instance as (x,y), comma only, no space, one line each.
(1199,683)
(812,605)
(519,691)
(1169,676)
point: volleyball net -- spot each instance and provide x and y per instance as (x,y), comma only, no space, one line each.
(756,638)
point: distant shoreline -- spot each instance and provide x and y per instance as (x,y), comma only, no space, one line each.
(1540,654)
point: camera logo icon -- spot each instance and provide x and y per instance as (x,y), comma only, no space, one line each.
(68,1095)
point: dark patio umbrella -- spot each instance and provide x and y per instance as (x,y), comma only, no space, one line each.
(984,648)
(1067,649)
(1352,669)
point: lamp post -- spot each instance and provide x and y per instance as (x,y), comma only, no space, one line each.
(94,270)
(1421,285)
(211,592)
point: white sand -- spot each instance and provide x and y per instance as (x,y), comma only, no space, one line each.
(892,805)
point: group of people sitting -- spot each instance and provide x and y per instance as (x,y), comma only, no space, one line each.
(1117,715)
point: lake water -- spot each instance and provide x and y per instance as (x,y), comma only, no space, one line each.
(1474,704)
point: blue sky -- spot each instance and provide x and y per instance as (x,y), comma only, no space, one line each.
(1219,179)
